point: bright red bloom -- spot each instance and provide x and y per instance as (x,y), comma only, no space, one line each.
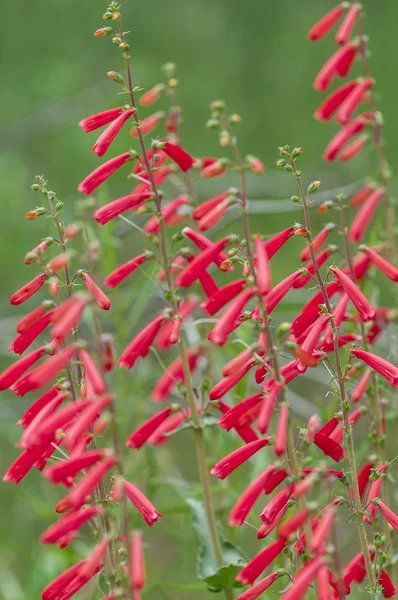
(326,23)
(179,156)
(67,316)
(320,260)
(170,214)
(213,168)
(101,173)
(28,290)
(93,377)
(303,579)
(203,209)
(231,418)
(227,322)
(118,275)
(363,477)
(147,125)
(95,559)
(85,420)
(69,523)
(277,241)
(29,436)
(345,29)
(294,523)
(67,584)
(173,422)
(30,319)
(141,435)
(338,64)
(86,486)
(200,263)
(352,101)
(24,340)
(353,149)
(317,242)
(173,375)
(236,458)
(389,589)
(38,405)
(259,588)
(245,432)
(203,243)
(382,366)
(169,334)
(32,256)
(360,197)
(267,528)
(141,502)
(115,208)
(318,539)
(374,492)
(275,477)
(141,344)
(338,433)
(361,303)
(382,264)
(329,447)
(273,298)
(344,135)
(364,216)
(310,342)
(328,107)
(263,279)
(211,218)
(355,570)
(245,503)
(64,472)
(151,96)
(260,562)
(276,504)
(388,514)
(281,430)
(137,566)
(227,383)
(107,136)
(98,295)
(223,295)
(100,119)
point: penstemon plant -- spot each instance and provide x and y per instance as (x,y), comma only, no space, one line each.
(322,532)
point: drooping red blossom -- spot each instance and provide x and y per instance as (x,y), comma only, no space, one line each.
(69,523)
(32,256)
(179,156)
(344,135)
(117,207)
(118,275)
(173,422)
(344,31)
(352,101)
(64,472)
(28,290)
(260,562)
(244,431)
(364,216)
(330,105)
(329,447)
(309,344)
(388,514)
(263,279)
(214,215)
(92,374)
(223,295)
(141,344)
(141,435)
(246,501)
(106,138)
(226,323)
(31,318)
(227,383)
(173,375)
(142,504)
(260,587)
(237,362)
(101,173)
(95,559)
(67,316)
(337,65)
(317,242)
(98,295)
(151,96)
(382,264)
(374,492)
(326,23)
(381,365)
(236,458)
(169,334)
(320,260)
(389,589)
(203,243)
(275,477)
(230,419)
(86,486)
(147,125)
(281,430)
(361,303)
(200,263)
(170,214)
(277,241)
(276,504)
(353,149)
(137,565)
(303,579)
(273,298)
(86,419)
(100,119)
(24,340)
(39,404)
(363,477)
(360,197)
(67,584)
(213,167)
(338,433)
(205,207)
(319,537)
(294,523)
(267,528)
(29,437)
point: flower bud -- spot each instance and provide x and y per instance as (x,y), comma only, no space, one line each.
(35,214)
(115,76)
(103,31)
(313,187)
(72,231)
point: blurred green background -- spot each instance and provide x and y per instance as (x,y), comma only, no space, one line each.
(253,54)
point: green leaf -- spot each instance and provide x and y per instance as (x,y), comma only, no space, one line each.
(216,578)
(207,421)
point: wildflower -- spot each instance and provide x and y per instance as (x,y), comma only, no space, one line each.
(28,290)
(294,523)
(169,334)
(331,104)
(274,297)
(352,101)
(173,422)
(98,295)
(260,562)
(118,275)
(320,260)
(303,579)
(234,460)
(276,504)
(353,149)
(231,418)
(141,502)
(382,264)
(389,589)
(329,447)
(151,96)
(260,587)
(101,173)
(227,383)
(141,344)
(373,493)
(39,404)
(363,306)
(213,216)
(223,295)
(382,366)
(346,27)
(137,566)
(245,503)
(317,242)
(106,138)
(326,23)
(360,197)
(70,522)
(338,64)
(388,514)
(319,537)
(64,472)
(178,155)
(363,477)
(86,419)
(24,340)
(281,431)
(147,125)
(244,431)
(141,435)
(345,134)
(203,209)
(67,316)
(226,323)
(263,279)
(98,120)
(94,560)
(200,263)
(213,167)
(173,375)
(277,241)
(203,243)
(32,256)
(115,208)
(67,584)
(169,214)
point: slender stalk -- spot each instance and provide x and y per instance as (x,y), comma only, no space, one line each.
(344,404)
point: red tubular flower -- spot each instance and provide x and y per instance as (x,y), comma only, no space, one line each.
(173,375)
(338,64)
(179,156)
(141,435)
(323,583)
(231,418)
(344,135)
(355,148)
(69,523)
(227,383)
(85,420)
(137,565)
(29,436)
(259,588)
(151,96)
(352,101)
(200,263)
(276,504)
(388,514)
(317,242)
(223,295)
(118,275)
(363,306)
(277,241)
(338,433)
(67,316)
(100,119)
(234,460)
(65,472)
(363,477)
(320,260)
(329,447)
(303,579)
(382,264)
(93,376)
(141,344)
(382,366)
(115,208)
(355,570)
(294,523)
(95,559)
(263,279)
(237,362)
(147,125)
(98,295)
(245,432)
(275,477)
(364,216)
(28,290)
(24,340)
(345,29)
(32,256)
(203,243)
(374,492)
(281,430)
(141,502)
(389,589)
(203,209)
(267,528)
(274,297)
(30,319)
(214,215)
(226,323)
(169,213)
(106,138)
(213,167)
(99,175)
(38,405)
(318,539)
(169,333)
(170,424)
(289,371)
(324,25)
(360,197)
(246,501)
(67,584)
(310,342)
(86,486)
(328,107)
(260,562)
(24,463)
